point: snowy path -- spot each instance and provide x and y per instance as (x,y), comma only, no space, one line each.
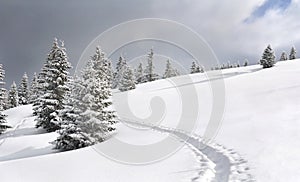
(229,166)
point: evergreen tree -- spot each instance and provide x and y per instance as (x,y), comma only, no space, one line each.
(139,74)
(283,56)
(193,67)
(127,81)
(6,101)
(23,90)
(268,58)
(41,90)
(246,63)
(102,66)
(118,74)
(149,71)
(170,71)
(13,98)
(2,89)
(71,135)
(33,91)
(3,124)
(56,76)
(293,53)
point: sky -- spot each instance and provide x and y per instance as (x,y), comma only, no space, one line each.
(235,30)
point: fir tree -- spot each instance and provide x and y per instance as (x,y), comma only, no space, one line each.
(193,67)
(127,81)
(268,58)
(40,90)
(87,118)
(3,124)
(149,71)
(170,71)
(33,91)
(139,74)
(102,66)
(71,135)
(118,74)
(23,90)
(283,56)
(2,89)
(246,63)
(56,76)
(13,98)
(293,53)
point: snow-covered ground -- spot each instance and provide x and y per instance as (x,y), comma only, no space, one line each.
(261,122)
(19,145)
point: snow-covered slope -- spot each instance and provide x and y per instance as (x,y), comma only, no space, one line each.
(261,122)
(26,155)
(261,119)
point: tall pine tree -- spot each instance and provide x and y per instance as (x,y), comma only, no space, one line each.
(33,91)
(118,74)
(13,97)
(56,76)
(87,117)
(3,124)
(170,71)
(23,90)
(293,53)
(139,74)
(2,89)
(150,75)
(127,81)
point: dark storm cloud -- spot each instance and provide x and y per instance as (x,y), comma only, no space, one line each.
(28,28)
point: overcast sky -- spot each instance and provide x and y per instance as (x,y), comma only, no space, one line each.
(235,29)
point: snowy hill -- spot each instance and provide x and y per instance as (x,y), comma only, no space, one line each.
(261,122)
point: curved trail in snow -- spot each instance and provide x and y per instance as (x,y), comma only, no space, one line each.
(229,166)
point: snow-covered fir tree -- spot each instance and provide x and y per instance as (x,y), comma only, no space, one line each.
(103,71)
(246,63)
(2,89)
(293,53)
(71,136)
(118,73)
(56,76)
(3,124)
(196,68)
(23,90)
(13,98)
(283,56)
(193,68)
(139,74)
(40,90)
(150,75)
(6,102)
(88,118)
(33,90)
(268,58)
(127,81)
(170,71)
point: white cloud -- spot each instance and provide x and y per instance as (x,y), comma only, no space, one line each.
(222,24)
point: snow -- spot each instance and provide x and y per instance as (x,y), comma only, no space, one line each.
(261,119)
(27,155)
(261,122)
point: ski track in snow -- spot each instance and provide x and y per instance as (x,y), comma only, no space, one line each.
(225,164)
